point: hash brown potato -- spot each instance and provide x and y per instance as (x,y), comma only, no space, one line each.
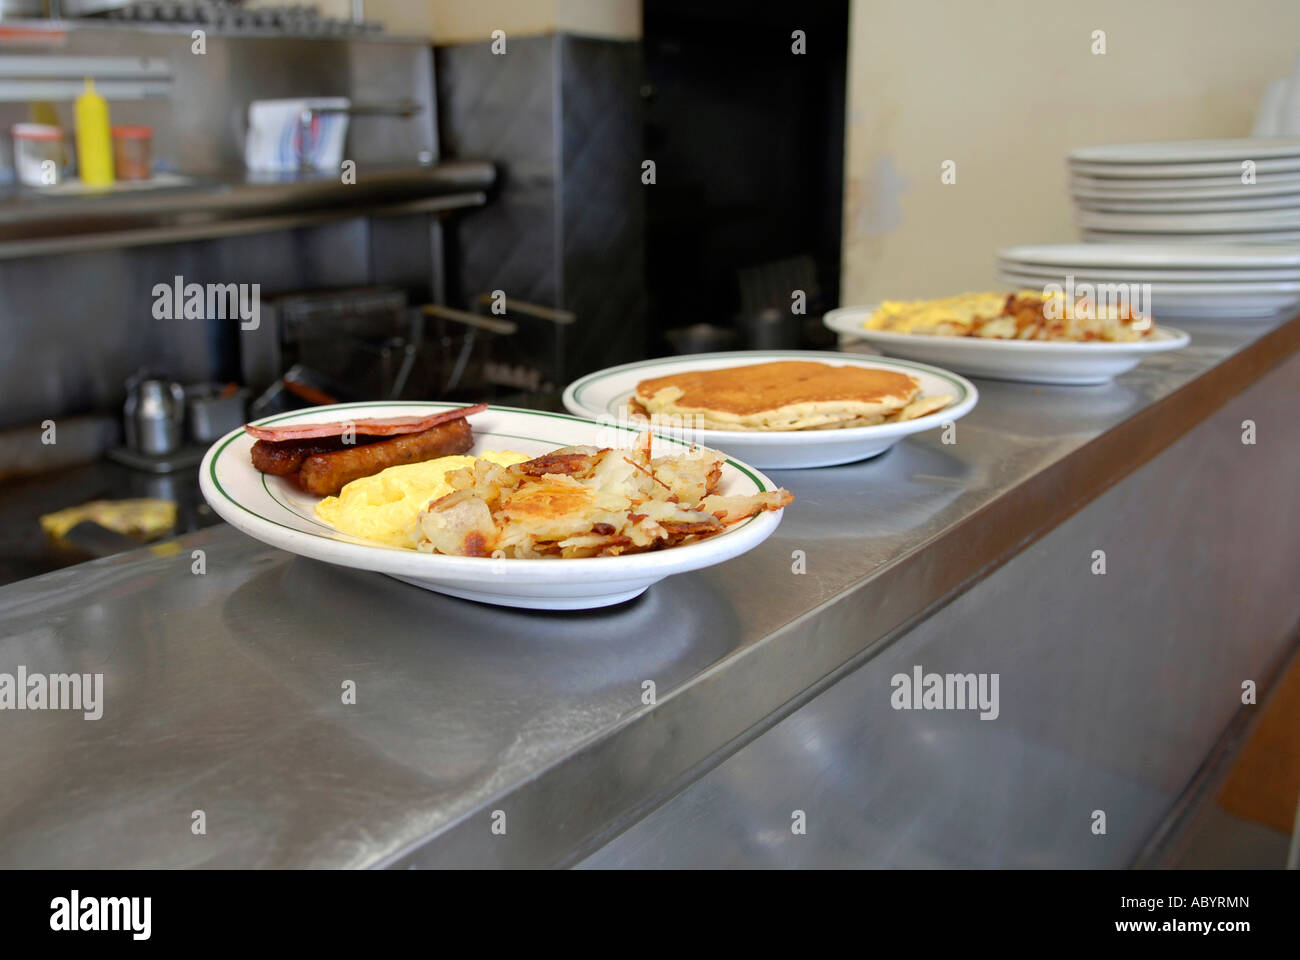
(585,502)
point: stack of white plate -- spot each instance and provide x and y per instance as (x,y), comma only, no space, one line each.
(1184,281)
(1189,191)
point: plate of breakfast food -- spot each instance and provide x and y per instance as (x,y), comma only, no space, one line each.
(511,507)
(778,409)
(1027,335)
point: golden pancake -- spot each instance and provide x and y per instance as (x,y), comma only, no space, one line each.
(784,395)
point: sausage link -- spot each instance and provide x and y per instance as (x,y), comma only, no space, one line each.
(325,474)
(283,457)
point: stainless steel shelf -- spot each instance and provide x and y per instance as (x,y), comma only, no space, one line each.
(33,223)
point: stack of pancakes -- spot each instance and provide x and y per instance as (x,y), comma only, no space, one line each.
(786,395)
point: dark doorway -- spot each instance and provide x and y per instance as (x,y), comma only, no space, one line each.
(748,142)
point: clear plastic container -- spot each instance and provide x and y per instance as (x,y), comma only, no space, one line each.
(132,153)
(39,155)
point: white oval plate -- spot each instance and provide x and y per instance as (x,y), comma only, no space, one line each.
(1279,201)
(1188,188)
(1190,151)
(1271,238)
(1174,302)
(1284,292)
(272,510)
(1143,275)
(1028,361)
(1172,171)
(1216,256)
(1286,219)
(604,395)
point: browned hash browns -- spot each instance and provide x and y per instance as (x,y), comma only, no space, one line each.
(585,502)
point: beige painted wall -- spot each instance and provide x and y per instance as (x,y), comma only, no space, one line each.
(1004,88)
(619,19)
(403,18)
(471,21)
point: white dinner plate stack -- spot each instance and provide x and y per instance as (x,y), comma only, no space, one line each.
(1189,191)
(1182,281)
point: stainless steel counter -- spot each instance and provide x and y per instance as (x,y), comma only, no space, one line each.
(223,689)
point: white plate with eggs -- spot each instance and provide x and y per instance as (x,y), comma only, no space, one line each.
(276,512)
(1028,361)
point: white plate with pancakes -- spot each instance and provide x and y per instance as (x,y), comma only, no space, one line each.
(605,396)
(272,510)
(1028,361)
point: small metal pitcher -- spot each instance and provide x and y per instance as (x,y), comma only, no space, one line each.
(154,415)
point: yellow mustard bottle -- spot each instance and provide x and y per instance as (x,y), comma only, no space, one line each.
(94,142)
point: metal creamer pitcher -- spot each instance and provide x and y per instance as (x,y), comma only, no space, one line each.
(154,415)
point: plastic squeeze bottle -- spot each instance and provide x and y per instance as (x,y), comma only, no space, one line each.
(94,143)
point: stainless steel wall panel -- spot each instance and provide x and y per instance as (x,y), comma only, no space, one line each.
(560,116)
(504,108)
(602,201)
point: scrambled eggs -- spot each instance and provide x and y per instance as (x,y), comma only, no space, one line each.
(1050,314)
(950,316)
(384,507)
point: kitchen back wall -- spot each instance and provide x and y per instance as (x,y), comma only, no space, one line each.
(1004,88)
